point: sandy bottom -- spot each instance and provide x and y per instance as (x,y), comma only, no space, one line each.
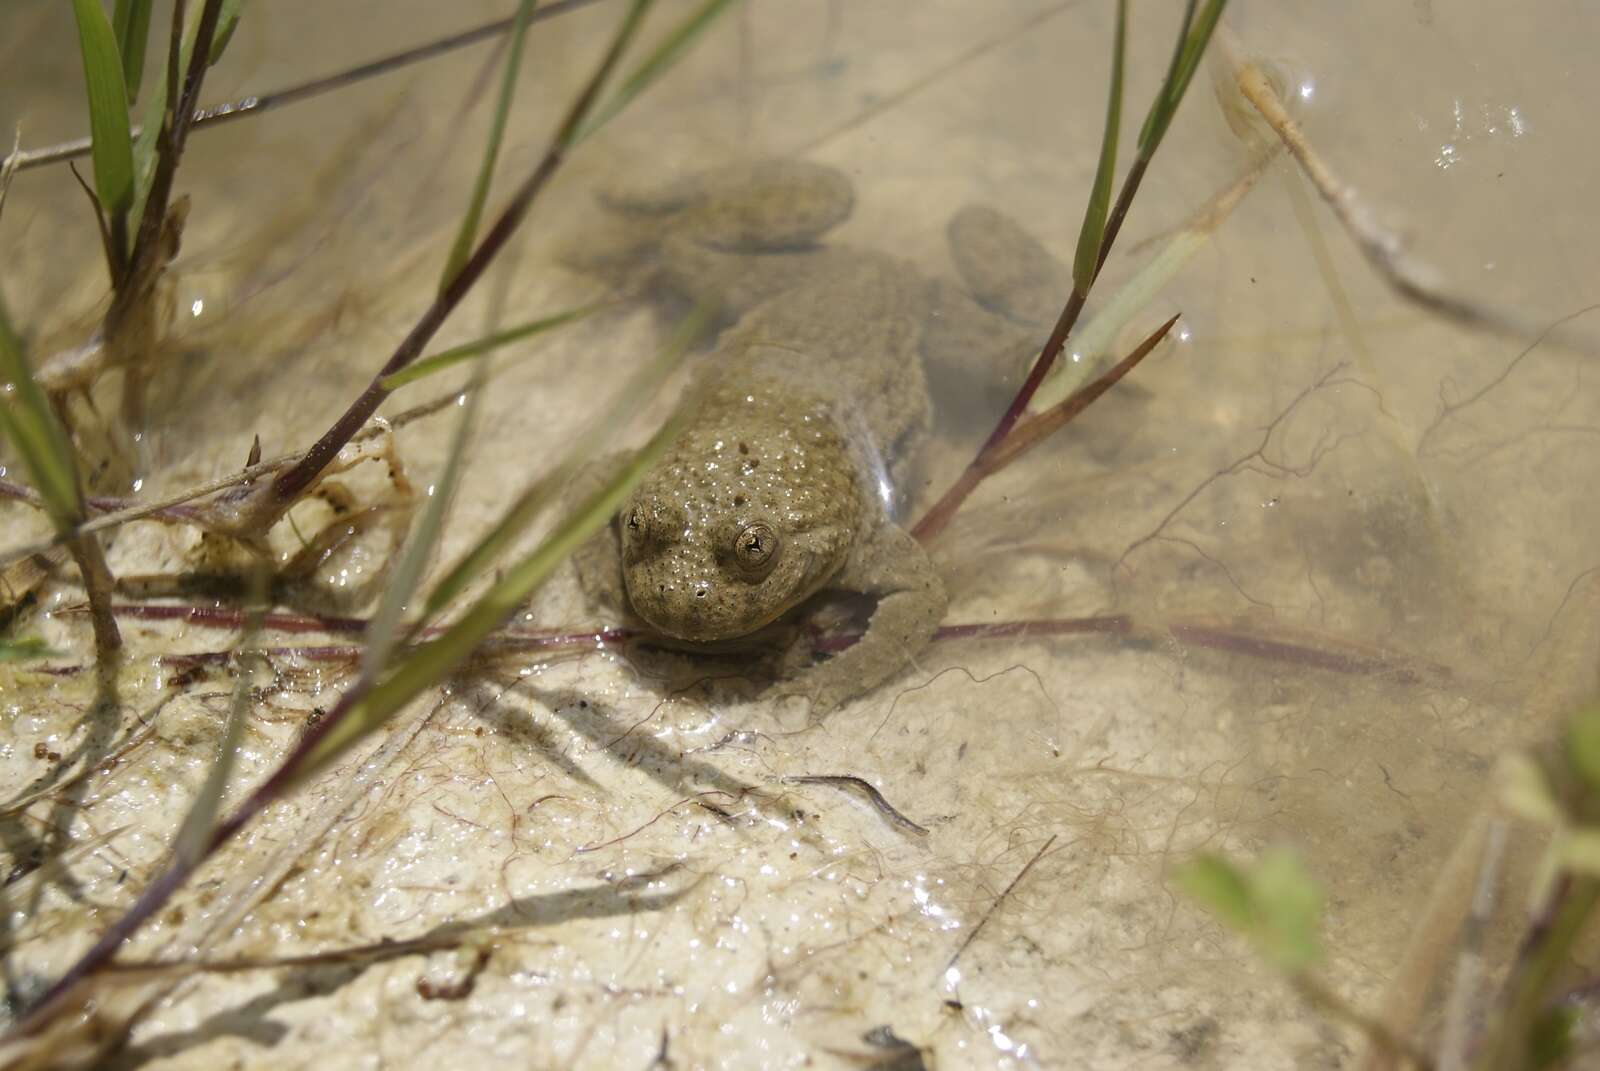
(1353,546)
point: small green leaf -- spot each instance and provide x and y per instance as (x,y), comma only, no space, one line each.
(449,358)
(1583,744)
(468,232)
(1524,790)
(130,19)
(28,421)
(660,60)
(1577,850)
(1220,887)
(1274,903)
(1094,216)
(26,649)
(108,108)
(1289,906)
(227,22)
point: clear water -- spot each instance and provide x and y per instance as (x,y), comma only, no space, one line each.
(1352,542)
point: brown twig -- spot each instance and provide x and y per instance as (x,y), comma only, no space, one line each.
(972,935)
(866,788)
(97,585)
(1383,250)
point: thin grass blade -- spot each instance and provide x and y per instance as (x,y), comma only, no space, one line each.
(194,834)
(446,359)
(660,60)
(130,20)
(1194,36)
(28,421)
(402,585)
(1195,47)
(433,662)
(1087,259)
(1147,131)
(226,24)
(468,233)
(533,501)
(155,106)
(108,107)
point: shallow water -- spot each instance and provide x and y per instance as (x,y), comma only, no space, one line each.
(1334,551)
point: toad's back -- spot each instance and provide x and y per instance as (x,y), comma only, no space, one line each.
(850,340)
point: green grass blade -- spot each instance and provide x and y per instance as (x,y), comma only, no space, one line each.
(640,387)
(1087,258)
(227,22)
(28,421)
(433,662)
(449,358)
(660,60)
(1147,131)
(468,233)
(194,834)
(108,108)
(1195,47)
(130,20)
(402,585)
(1192,45)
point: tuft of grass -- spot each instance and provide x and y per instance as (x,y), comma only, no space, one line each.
(389,683)
(27,419)
(1095,239)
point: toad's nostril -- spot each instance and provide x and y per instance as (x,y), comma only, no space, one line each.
(699,593)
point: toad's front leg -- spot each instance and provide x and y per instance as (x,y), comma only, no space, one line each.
(911,603)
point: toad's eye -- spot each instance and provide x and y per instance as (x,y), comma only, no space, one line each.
(755,548)
(635,521)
